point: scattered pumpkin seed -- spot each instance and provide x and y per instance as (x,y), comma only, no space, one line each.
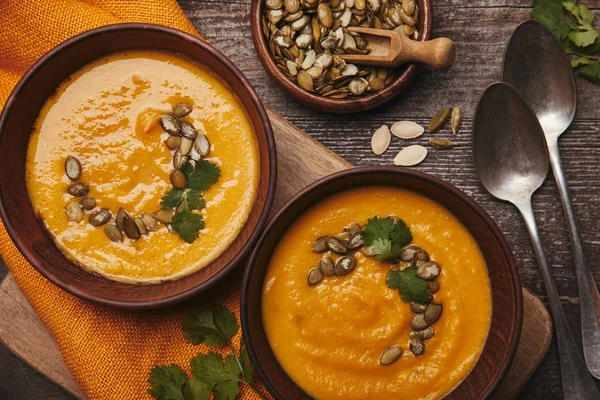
(88,203)
(456,119)
(418,323)
(74,212)
(170,124)
(432,313)
(72,168)
(100,217)
(367,251)
(201,144)
(410,156)
(390,355)
(315,276)
(354,242)
(320,245)
(305,81)
(130,228)
(408,252)
(418,308)
(441,143)
(425,334)
(113,232)
(121,215)
(344,265)
(433,286)
(353,227)
(166,217)
(407,130)
(185,146)
(149,222)
(182,109)
(428,270)
(178,179)
(417,347)
(179,159)
(420,257)
(140,225)
(326,265)
(380,141)
(336,245)
(439,119)
(188,130)
(172,142)
(78,189)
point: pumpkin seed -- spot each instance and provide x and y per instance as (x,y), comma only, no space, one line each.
(409,6)
(419,258)
(121,215)
(274,15)
(344,265)
(407,130)
(326,265)
(300,23)
(100,217)
(439,119)
(367,251)
(304,40)
(441,143)
(113,232)
(88,203)
(408,252)
(309,59)
(349,70)
(315,276)
(425,334)
(358,86)
(417,347)
(314,72)
(185,145)
(273,4)
(324,60)
(433,286)
(390,355)
(380,141)
(179,159)
(178,179)
(418,323)
(305,81)
(72,168)
(410,156)
(320,245)
(140,225)
(166,217)
(324,15)
(131,229)
(355,242)
(353,227)
(173,142)
(201,144)
(293,16)
(182,109)
(78,189)
(188,130)
(456,119)
(428,270)
(292,6)
(377,84)
(336,245)
(417,307)
(292,67)
(74,212)
(149,222)
(170,124)
(432,313)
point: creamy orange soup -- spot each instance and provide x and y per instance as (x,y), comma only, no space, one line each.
(329,337)
(101,115)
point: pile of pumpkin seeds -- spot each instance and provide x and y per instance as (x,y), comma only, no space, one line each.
(305,38)
(186,142)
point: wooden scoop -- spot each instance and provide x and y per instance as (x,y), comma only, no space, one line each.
(390,48)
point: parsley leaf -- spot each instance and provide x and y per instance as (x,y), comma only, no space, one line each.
(187,224)
(195,389)
(201,176)
(221,375)
(195,200)
(214,325)
(387,236)
(171,199)
(591,72)
(167,382)
(412,288)
(552,14)
(247,368)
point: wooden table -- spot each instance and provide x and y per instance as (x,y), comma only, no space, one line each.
(480,29)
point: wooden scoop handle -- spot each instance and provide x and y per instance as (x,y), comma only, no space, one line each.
(438,53)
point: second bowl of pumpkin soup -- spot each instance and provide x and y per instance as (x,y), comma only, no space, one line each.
(374,283)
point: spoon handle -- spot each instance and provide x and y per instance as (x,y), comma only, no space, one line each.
(589,298)
(576,380)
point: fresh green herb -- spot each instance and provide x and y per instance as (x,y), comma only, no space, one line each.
(200,177)
(412,288)
(387,236)
(215,326)
(573,24)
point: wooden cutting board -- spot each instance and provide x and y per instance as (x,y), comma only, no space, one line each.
(302,160)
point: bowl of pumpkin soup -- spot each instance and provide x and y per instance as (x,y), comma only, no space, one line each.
(138,165)
(381,283)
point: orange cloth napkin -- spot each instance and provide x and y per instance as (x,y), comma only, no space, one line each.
(109,351)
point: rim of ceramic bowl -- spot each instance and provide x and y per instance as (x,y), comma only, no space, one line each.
(476,208)
(272,165)
(409,71)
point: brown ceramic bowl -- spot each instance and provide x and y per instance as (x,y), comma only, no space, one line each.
(502,341)
(16,121)
(405,73)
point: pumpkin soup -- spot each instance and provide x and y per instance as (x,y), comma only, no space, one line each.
(143,166)
(376,293)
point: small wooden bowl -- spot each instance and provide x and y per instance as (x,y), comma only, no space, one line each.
(507,317)
(18,117)
(405,73)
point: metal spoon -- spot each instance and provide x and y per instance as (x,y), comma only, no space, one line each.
(512,162)
(537,66)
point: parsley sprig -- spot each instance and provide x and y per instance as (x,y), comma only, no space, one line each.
(200,177)
(215,326)
(573,24)
(387,236)
(411,287)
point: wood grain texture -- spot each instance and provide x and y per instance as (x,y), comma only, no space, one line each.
(301,161)
(480,29)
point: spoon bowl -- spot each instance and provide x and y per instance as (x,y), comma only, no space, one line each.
(538,67)
(506,129)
